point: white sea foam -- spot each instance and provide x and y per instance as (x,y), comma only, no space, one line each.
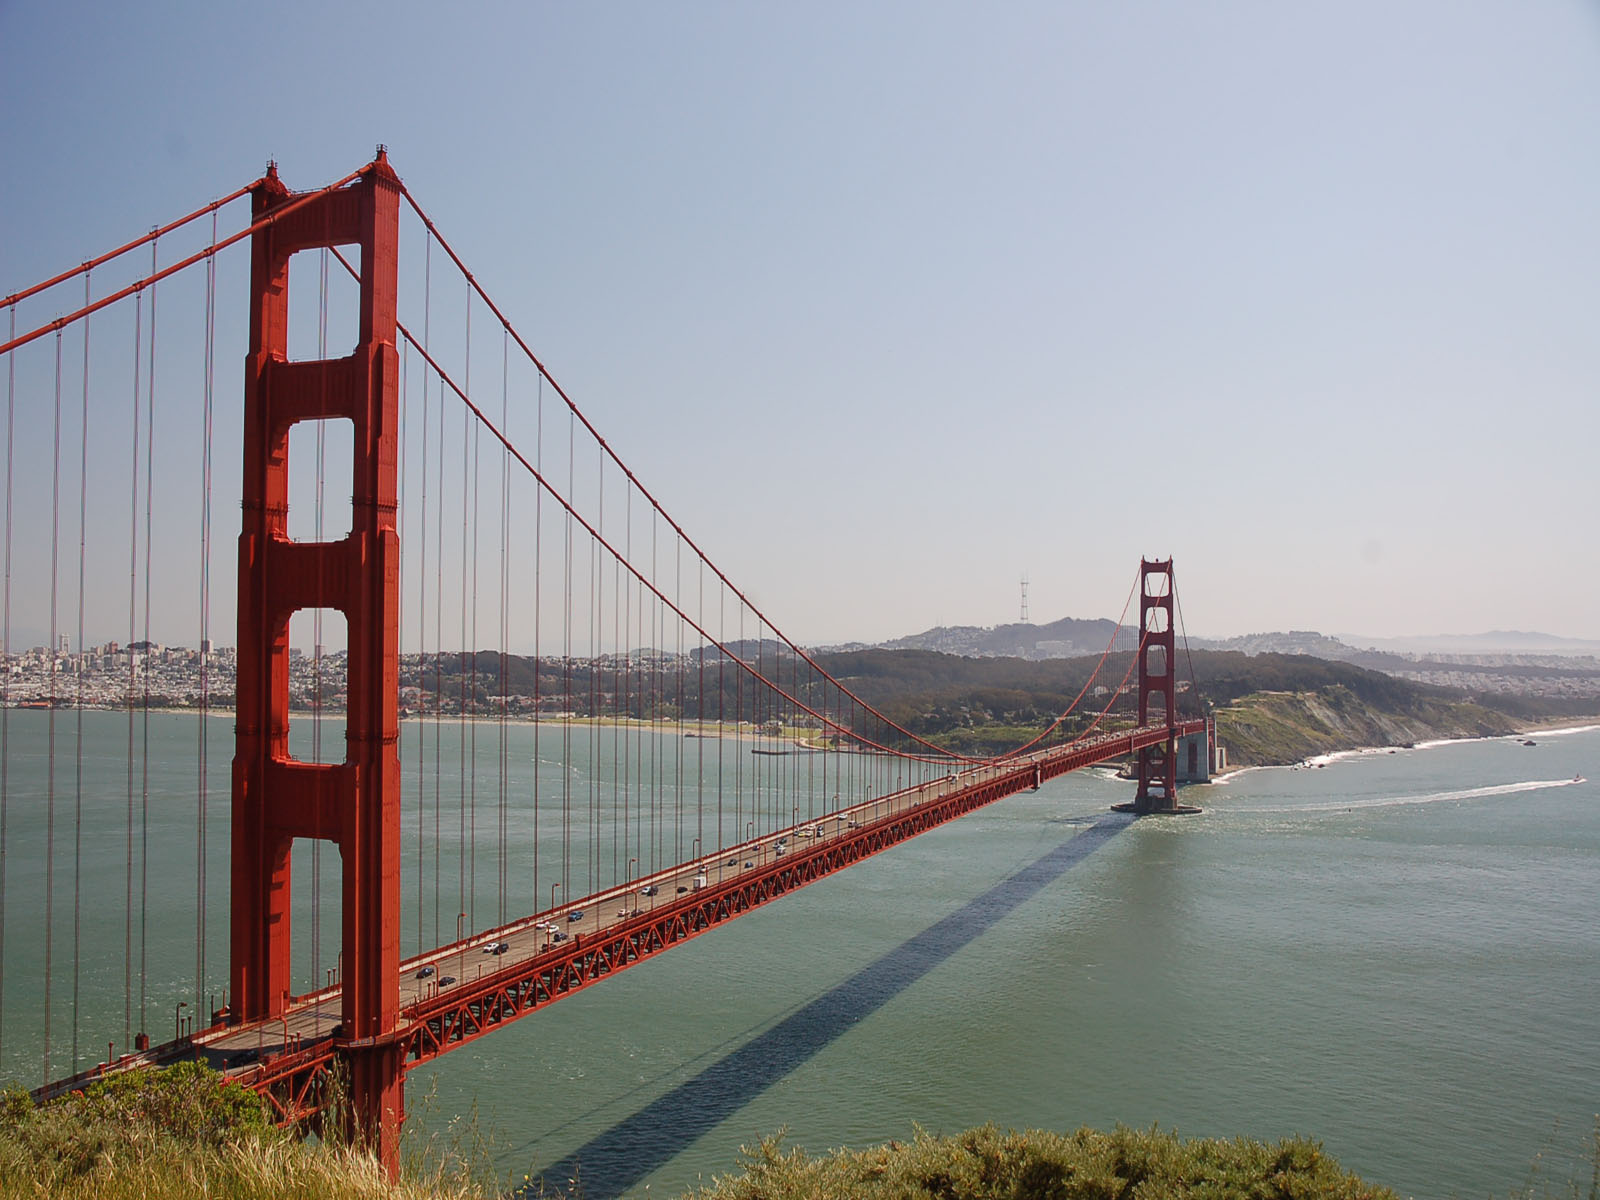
(1564,732)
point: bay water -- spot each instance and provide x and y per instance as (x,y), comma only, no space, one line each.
(1396,953)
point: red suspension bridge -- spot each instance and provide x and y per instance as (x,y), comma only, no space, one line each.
(405,504)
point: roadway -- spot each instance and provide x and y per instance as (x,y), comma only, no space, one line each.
(310,1021)
(312,1017)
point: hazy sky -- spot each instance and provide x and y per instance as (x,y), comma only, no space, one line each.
(892,303)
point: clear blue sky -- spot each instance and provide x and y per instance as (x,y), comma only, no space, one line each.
(892,303)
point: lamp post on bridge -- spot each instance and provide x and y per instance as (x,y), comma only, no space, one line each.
(177,1023)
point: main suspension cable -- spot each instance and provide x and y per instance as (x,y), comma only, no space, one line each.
(645,492)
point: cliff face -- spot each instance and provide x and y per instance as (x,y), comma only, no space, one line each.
(1277,728)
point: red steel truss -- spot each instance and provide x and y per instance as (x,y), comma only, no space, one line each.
(297,1084)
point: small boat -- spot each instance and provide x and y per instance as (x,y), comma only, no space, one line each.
(1579,779)
(1529,742)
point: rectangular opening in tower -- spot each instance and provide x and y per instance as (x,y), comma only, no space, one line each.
(321,479)
(318,685)
(324,299)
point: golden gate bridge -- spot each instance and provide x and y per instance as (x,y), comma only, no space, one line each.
(689,761)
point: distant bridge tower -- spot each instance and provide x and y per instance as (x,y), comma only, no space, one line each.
(354,804)
(1158,763)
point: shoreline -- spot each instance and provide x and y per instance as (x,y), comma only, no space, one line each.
(707,730)
(1551,727)
(710,731)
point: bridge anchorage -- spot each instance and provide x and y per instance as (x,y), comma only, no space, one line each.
(701,764)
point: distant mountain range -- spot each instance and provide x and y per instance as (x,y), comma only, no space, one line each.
(1073,638)
(1066,638)
(1498,641)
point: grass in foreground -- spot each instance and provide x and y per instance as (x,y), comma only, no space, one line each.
(185,1132)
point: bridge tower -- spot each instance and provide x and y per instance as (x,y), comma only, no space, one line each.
(1158,763)
(354,804)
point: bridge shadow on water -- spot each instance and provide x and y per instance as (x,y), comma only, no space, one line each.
(643,1142)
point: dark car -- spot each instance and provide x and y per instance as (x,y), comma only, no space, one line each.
(682,890)
(733,862)
(575,915)
(749,864)
(424,973)
(446,980)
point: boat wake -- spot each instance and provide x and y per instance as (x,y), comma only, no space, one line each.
(1362,805)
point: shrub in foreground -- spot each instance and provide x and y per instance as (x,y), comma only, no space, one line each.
(988,1164)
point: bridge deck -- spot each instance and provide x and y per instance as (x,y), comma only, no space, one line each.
(471,990)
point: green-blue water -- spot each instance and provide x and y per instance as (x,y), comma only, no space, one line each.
(1397,953)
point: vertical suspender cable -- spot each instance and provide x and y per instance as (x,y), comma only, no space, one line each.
(629,791)
(740,828)
(462,866)
(144,784)
(566,675)
(677,744)
(461,662)
(505,617)
(422,677)
(422,608)
(77,804)
(657,761)
(50,754)
(207,418)
(404,528)
(593,585)
(619,743)
(133,636)
(5,674)
(538,605)
(472,641)
(722,721)
(469,631)
(438,681)
(700,719)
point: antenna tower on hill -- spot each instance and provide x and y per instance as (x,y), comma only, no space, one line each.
(1025,599)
